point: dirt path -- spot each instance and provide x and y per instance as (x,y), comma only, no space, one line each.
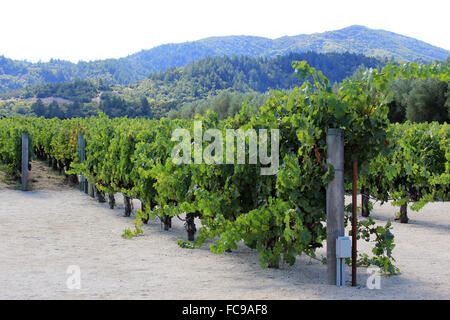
(43,232)
(40,177)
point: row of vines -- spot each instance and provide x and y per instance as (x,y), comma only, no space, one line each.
(281,215)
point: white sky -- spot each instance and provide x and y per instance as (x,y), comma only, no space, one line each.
(97,29)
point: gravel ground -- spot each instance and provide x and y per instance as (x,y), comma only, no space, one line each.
(43,232)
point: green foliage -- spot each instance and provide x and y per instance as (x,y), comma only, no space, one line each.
(225,104)
(384,245)
(11,144)
(280,215)
(415,166)
(426,102)
(128,233)
(78,90)
(244,74)
(412,166)
(185,244)
(419,101)
(190,89)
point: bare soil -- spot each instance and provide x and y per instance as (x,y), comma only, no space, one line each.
(44,231)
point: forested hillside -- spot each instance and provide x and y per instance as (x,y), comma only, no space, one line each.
(164,91)
(17,74)
(370,42)
(135,67)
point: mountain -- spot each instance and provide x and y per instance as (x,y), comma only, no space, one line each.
(356,39)
(359,39)
(207,76)
(167,90)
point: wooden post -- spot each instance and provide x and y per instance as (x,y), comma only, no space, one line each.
(81,152)
(24,161)
(354,221)
(91,190)
(335,199)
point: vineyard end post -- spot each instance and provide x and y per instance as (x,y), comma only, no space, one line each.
(81,152)
(354,220)
(334,199)
(24,161)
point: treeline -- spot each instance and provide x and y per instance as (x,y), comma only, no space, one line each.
(413,99)
(80,98)
(16,74)
(171,89)
(192,88)
(420,101)
(226,104)
(110,104)
(78,90)
(244,74)
(220,84)
(417,99)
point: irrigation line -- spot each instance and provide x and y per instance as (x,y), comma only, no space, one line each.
(370,197)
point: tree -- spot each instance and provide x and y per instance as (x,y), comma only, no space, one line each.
(397,108)
(145,107)
(74,110)
(54,111)
(427,101)
(38,108)
(447,102)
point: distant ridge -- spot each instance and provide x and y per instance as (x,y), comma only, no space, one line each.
(135,67)
(355,39)
(370,42)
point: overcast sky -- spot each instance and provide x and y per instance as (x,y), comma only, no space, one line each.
(97,29)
